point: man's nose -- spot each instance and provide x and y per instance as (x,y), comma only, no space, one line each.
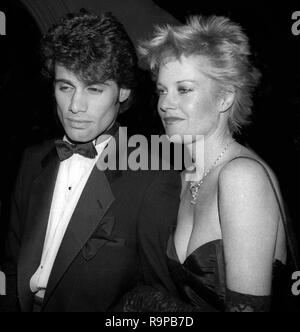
(78,103)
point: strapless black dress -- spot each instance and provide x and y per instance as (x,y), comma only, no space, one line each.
(200,280)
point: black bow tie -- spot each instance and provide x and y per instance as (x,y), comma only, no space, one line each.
(65,150)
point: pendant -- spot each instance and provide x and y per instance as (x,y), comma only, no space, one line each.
(194,189)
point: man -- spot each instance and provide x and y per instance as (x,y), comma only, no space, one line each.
(81,237)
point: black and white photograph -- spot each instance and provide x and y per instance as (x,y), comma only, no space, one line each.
(150,158)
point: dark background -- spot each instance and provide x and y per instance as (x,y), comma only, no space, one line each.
(27,104)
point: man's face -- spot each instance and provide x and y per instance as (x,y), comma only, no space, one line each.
(86,111)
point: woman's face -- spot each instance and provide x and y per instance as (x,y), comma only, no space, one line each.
(187,103)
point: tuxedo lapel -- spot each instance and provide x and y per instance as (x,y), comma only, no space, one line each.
(37,221)
(95,200)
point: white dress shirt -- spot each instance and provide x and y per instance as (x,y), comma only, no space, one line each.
(72,177)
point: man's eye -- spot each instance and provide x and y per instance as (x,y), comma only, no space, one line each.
(95,90)
(65,88)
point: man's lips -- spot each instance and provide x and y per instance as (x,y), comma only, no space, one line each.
(78,124)
(171,120)
(78,121)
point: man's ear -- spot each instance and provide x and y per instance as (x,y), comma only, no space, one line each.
(227,101)
(124,94)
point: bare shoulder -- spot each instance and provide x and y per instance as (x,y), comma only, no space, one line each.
(244,171)
(249,217)
(248,182)
(245,189)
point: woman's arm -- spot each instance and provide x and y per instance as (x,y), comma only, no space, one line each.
(249,217)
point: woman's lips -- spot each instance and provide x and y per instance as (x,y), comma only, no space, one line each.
(172,120)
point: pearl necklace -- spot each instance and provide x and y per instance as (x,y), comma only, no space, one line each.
(195,186)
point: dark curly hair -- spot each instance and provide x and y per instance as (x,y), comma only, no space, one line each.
(95,48)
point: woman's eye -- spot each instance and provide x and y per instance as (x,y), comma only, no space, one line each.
(183,90)
(161,92)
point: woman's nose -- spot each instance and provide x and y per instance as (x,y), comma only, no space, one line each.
(167,102)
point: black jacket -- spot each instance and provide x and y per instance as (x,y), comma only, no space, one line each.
(116,238)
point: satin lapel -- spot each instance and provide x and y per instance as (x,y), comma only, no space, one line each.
(95,200)
(35,231)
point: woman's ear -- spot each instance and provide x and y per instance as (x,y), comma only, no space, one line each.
(124,94)
(227,101)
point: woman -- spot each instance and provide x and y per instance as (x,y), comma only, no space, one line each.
(230,237)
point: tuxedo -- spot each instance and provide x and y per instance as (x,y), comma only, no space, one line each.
(116,238)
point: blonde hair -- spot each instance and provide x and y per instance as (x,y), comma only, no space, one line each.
(226,47)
